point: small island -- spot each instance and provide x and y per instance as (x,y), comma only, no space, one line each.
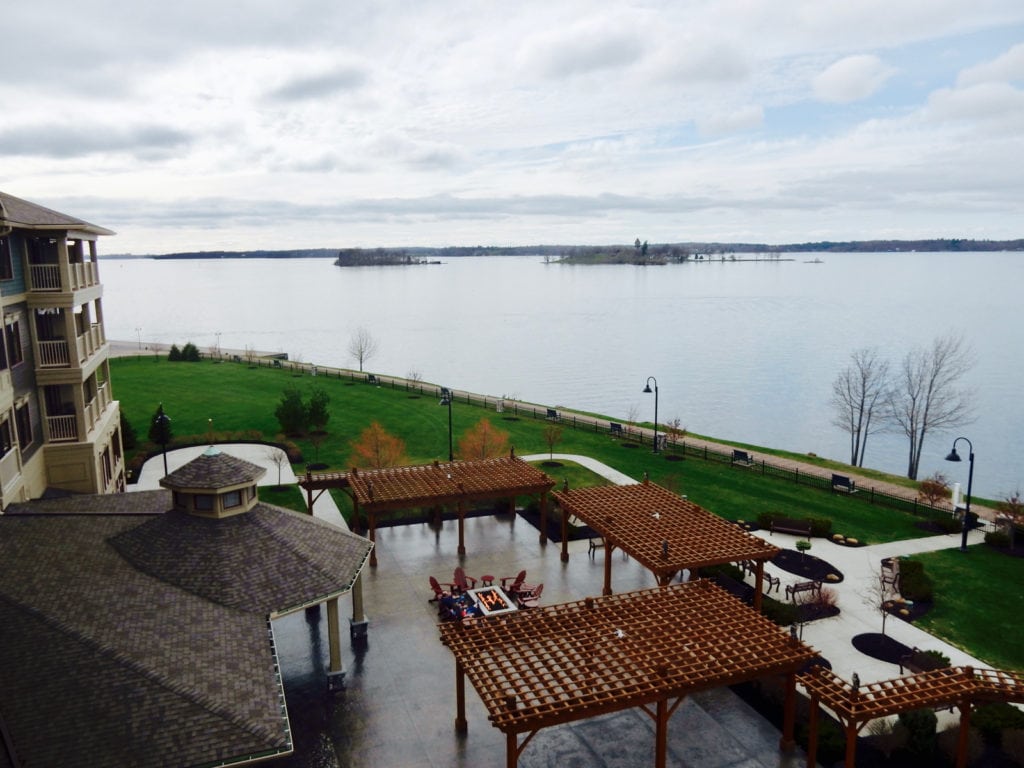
(377,257)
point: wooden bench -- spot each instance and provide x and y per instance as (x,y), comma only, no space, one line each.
(792,590)
(773,582)
(552,414)
(843,484)
(371,379)
(795,527)
(742,458)
(615,429)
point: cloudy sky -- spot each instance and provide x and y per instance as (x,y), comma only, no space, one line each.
(321,123)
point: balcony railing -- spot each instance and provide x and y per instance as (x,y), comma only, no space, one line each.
(10,469)
(54,354)
(63,429)
(47,277)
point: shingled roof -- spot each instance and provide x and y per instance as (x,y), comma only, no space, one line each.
(20,213)
(145,639)
(213,469)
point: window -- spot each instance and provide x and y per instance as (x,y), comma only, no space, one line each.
(23,420)
(203,502)
(232,499)
(6,265)
(6,437)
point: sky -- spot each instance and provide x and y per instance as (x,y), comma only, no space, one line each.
(319,124)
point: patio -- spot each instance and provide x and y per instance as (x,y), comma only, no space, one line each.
(400,704)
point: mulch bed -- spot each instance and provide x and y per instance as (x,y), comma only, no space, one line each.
(914,610)
(881,647)
(807,566)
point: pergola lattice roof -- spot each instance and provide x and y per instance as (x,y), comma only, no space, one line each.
(567,662)
(951,686)
(640,518)
(435,483)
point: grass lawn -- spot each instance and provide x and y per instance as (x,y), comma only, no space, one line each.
(978,601)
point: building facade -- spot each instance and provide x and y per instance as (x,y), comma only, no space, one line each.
(59,423)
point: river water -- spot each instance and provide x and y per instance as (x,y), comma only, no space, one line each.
(741,351)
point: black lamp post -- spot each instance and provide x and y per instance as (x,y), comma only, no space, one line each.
(954,456)
(647,390)
(446,399)
(162,422)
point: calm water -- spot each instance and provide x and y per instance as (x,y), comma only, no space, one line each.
(740,351)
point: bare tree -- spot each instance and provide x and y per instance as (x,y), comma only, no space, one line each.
(858,396)
(552,436)
(926,396)
(362,345)
(278,458)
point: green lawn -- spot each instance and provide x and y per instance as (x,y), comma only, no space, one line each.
(978,600)
(973,590)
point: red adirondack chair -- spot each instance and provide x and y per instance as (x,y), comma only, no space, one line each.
(439,590)
(511,584)
(530,599)
(463,583)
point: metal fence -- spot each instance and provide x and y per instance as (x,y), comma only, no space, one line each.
(679,447)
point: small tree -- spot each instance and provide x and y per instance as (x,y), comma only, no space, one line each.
(291,412)
(278,458)
(675,431)
(878,596)
(160,431)
(190,353)
(317,409)
(483,441)
(128,436)
(362,345)
(1010,513)
(174,355)
(859,399)
(552,436)
(934,489)
(376,448)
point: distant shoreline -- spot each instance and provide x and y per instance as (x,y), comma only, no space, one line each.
(570,253)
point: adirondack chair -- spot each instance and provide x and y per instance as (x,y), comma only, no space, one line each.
(531,598)
(463,583)
(439,590)
(511,584)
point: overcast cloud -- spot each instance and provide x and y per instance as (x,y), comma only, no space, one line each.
(313,123)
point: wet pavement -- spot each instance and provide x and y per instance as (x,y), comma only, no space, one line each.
(399,706)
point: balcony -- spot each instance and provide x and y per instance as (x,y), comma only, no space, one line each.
(57,278)
(63,429)
(54,353)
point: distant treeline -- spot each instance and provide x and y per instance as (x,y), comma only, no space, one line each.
(625,252)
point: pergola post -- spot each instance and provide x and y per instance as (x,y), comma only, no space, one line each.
(565,533)
(812,732)
(851,745)
(787,742)
(372,525)
(965,727)
(758,584)
(462,527)
(607,568)
(355,514)
(661,734)
(460,699)
(544,519)
(511,750)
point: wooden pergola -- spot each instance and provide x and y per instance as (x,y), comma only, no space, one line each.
(855,706)
(457,483)
(649,649)
(661,530)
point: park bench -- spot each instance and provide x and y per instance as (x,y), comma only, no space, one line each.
(371,379)
(787,525)
(742,458)
(552,414)
(773,582)
(792,590)
(615,429)
(843,484)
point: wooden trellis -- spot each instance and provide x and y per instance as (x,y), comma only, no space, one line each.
(855,706)
(663,531)
(458,483)
(648,649)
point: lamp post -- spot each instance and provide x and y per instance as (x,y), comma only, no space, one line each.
(162,423)
(446,399)
(954,456)
(647,390)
